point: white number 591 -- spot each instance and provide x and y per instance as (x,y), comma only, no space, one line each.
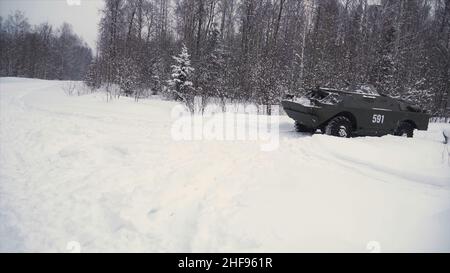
(379,119)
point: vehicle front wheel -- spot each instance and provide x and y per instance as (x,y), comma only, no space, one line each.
(405,129)
(339,127)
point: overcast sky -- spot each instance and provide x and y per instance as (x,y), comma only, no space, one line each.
(81,14)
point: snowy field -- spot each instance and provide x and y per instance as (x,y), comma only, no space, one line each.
(109,177)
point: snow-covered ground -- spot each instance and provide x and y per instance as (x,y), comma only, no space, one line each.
(77,171)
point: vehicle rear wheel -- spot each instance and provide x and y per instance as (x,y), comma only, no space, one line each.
(339,127)
(303,129)
(405,129)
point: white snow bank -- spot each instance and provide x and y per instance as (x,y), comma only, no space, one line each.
(109,176)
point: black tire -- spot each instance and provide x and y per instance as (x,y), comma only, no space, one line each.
(300,128)
(405,129)
(340,127)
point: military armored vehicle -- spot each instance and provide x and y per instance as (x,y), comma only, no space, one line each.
(360,111)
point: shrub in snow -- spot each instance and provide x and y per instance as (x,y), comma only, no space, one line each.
(69,88)
(92,77)
(421,96)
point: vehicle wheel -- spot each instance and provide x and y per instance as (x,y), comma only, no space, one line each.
(405,129)
(303,129)
(339,127)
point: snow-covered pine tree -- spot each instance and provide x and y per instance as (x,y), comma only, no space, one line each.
(180,83)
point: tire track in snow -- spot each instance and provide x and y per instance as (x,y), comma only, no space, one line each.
(380,173)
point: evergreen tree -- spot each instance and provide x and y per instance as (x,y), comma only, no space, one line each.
(384,69)
(92,79)
(212,73)
(181,81)
(127,76)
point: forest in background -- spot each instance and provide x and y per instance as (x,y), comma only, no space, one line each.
(253,51)
(258,50)
(41,51)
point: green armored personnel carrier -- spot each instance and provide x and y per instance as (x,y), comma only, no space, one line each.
(359,112)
